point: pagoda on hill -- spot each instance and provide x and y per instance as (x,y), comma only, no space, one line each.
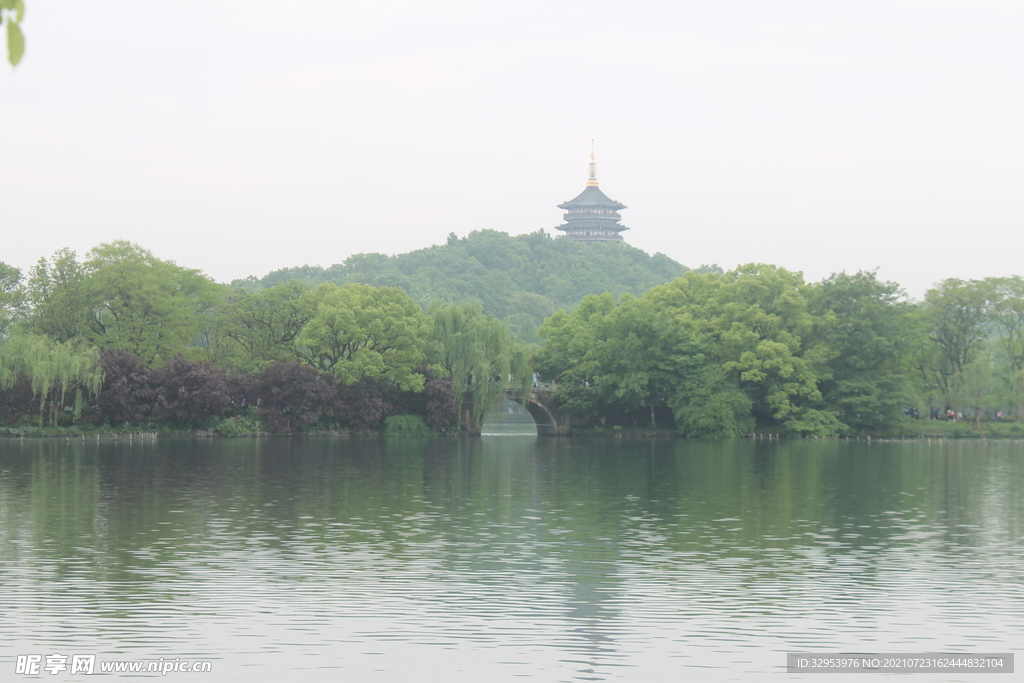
(592,216)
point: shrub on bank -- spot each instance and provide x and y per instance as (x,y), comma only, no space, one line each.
(406,425)
(239,425)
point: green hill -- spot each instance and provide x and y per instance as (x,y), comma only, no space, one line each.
(522,279)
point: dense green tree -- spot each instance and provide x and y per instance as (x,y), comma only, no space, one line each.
(957,313)
(622,363)
(1006,315)
(262,325)
(712,406)
(56,295)
(631,358)
(565,356)
(757,323)
(142,305)
(121,297)
(360,331)
(640,360)
(12,296)
(871,331)
(975,388)
(927,363)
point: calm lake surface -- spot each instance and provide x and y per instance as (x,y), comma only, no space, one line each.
(507,557)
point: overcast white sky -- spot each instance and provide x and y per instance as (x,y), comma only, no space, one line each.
(243,136)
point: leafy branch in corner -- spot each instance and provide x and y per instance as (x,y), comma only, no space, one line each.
(12,12)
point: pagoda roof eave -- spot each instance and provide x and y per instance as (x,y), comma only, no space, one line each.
(592,196)
(591,226)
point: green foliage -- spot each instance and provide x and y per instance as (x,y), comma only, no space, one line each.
(975,355)
(642,358)
(712,407)
(143,305)
(12,12)
(962,432)
(974,388)
(12,297)
(872,332)
(478,353)
(568,337)
(618,361)
(359,331)
(727,353)
(121,297)
(521,280)
(566,356)
(957,313)
(757,326)
(707,354)
(57,298)
(406,425)
(759,349)
(258,328)
(1006,313)
(57,370)
(239,425)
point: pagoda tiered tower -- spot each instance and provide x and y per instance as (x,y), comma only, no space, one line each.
(592,216)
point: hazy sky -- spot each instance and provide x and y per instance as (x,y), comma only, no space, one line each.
(244,136)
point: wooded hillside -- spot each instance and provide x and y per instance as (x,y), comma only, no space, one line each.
(521,279)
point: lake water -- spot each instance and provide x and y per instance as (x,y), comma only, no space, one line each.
(507,557)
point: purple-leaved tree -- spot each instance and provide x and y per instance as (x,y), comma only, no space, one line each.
(190,394)
(292,396)
(127,395)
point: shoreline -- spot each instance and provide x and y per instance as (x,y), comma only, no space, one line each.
(74,435)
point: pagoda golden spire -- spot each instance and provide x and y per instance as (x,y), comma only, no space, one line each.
(592,179)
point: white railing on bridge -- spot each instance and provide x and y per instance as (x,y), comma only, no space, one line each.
(537,388)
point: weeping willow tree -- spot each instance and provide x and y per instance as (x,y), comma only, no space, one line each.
(480,355)
(58,370)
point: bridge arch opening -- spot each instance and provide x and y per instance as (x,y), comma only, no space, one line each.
(508,418)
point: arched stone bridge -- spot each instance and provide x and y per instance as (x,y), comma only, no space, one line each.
(549,421)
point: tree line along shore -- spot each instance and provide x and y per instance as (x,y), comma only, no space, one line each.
(120,340)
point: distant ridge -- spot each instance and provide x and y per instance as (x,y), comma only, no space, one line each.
(522,279)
